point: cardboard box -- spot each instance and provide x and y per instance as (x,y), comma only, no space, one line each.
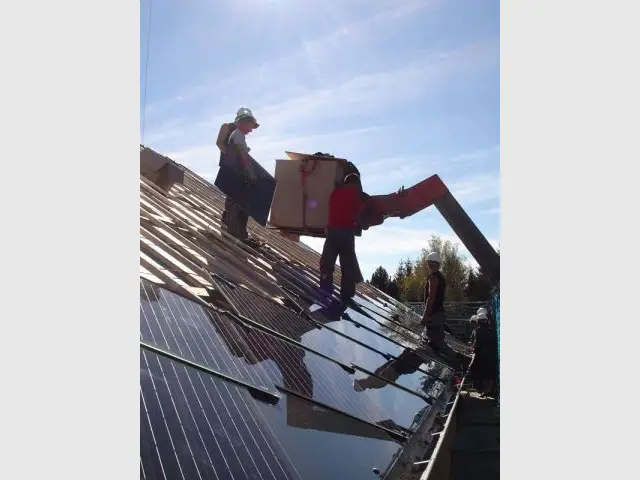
(301,198)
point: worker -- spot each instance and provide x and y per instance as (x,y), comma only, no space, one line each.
(434,317)
(484,362)
(473,321)
(234,153)
(345,206)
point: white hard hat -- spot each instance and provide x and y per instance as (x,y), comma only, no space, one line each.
(351,175)
(473,318)
(482,310)
(482,317)
(433,257)
(245,113)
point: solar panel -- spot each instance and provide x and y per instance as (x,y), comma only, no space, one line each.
(302,330)
(385,325)
(180,326)
(254,198)
(326,342)
(314,377)
(198,426)
(407,363)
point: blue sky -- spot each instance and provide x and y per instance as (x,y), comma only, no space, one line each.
(403,88)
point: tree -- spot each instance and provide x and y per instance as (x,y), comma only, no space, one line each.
(401,272)
(383,282)
(479,286)
(380,278)
(408,267)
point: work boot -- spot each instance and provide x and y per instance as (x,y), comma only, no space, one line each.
(326,290)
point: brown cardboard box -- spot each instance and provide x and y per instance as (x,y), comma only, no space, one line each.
(291,209)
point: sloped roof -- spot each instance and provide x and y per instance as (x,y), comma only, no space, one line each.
(239,380)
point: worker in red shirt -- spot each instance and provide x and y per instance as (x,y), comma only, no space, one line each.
(345,207)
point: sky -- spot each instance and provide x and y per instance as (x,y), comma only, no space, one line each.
(403,88)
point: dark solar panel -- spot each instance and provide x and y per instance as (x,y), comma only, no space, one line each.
(302,330)
(332,380)
(197,426)
(201,427)
(254,198)
(314,377)
(184,328)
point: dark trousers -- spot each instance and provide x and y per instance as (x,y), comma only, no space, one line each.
(436,337)
(235,219)
(340,243)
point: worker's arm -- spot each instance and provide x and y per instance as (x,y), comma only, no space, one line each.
(222,135)
(432,288)
(246,160)
(243,151)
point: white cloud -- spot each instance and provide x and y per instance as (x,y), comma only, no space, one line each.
(475,188)
(266,150)
(316,53)
(193,142)
(411,169)
(372,92)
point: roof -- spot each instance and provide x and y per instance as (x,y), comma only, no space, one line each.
(240,380)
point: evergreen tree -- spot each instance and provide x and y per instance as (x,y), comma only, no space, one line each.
(380,279)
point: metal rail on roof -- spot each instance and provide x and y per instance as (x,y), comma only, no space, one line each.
(256,392)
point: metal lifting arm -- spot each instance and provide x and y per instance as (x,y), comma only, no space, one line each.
(433,191)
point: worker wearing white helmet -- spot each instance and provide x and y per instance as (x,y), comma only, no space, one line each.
(434,317)
(234,153)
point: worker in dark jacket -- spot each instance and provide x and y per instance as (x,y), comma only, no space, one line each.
(434,317)
(484,362)
(345,206)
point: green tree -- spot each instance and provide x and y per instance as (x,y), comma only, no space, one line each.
(393,290)
(412,289)
(479,286)
(401,272)
(408,267)
(382,281)
(380,278)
